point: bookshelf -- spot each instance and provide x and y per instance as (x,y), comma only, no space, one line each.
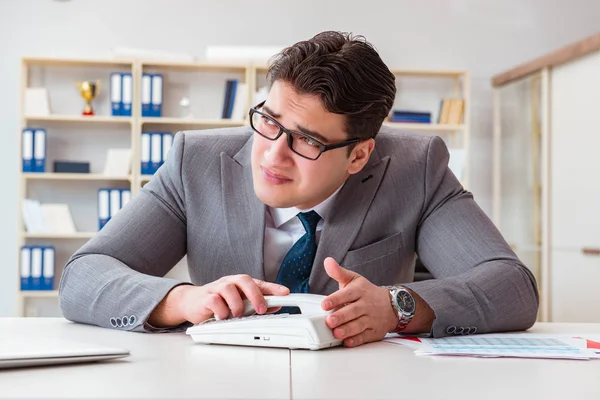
(425,91)
(72,136)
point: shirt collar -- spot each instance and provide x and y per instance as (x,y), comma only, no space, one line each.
(282,215)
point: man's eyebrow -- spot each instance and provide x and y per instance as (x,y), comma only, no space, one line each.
(271,112)
(299,127)
(313,134)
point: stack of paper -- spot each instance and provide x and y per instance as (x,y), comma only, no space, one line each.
(505,345)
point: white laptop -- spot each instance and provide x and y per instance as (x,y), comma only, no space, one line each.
(27,351)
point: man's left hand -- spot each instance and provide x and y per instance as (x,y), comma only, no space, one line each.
(365,311)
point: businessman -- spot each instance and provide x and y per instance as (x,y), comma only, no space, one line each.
(314,196)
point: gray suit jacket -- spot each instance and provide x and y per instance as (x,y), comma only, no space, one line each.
(405,202)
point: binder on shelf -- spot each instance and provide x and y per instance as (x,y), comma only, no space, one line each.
(146,95)
(230,94)
(155,152)
(39,150)
(36,269)
(114,202)
(27,150)
(103,208)
(167,143)
(48,267)
(157,95)
(25,267)
(240,102)
(145,153)
(116,88)
(125,197)
(127,95)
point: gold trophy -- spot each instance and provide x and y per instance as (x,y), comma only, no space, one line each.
(88,91)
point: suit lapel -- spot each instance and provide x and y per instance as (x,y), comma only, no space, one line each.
(244,213)
(349,210)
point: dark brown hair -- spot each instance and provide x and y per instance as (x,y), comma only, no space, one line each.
(347,74)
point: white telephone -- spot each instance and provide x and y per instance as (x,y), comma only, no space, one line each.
(294,331)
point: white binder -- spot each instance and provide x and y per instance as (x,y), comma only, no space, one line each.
(157,95)
(146,92)
(145,153)
(103,209)
(127,94)
(39,150)
(115,93)
(125,197)
(36,268)
(167,143)
(115,202)
(27,150)
(25,268)
(48,269)
(155,152)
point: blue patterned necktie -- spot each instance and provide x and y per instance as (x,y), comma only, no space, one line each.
(295,267)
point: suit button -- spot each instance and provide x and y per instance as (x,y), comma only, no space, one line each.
(132,320)
(113,322)
(125,320)
(460,330)
(472,330)
(119,323)
(451,330)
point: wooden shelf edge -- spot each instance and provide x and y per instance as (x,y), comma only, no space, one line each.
(78,118)
(77,235)
(59,176)
(193,122)
(39,294)
(76,62)
(426,127)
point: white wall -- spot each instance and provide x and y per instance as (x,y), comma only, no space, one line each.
(483,37)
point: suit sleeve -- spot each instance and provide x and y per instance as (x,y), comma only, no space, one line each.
(117,278)
(480,283)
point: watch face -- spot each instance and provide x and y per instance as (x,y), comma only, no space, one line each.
(405,301)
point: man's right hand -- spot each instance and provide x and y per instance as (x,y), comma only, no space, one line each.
(222,298)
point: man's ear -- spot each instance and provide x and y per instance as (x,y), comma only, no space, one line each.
(360,155)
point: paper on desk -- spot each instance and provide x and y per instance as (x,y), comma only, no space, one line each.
(523,345)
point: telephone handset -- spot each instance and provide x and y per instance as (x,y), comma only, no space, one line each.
(294,331)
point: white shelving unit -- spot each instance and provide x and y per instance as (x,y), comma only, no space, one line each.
(545,169)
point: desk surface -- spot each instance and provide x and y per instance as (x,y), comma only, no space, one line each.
(172,366)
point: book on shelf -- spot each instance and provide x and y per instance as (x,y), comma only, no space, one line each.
(47,218)
(451,111)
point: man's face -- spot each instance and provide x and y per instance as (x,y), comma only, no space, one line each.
(283,178)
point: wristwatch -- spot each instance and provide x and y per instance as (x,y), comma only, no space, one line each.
(403,304)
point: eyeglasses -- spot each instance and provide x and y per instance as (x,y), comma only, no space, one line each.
(300,143)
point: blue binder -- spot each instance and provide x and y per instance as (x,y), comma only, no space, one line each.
(25,267)
(39,150)
(127,94)
(48,266)
(167,143)
(155,151)
(27,150)
(145,153)
(157,95)
(116,89)
(37,265)
(146,95)
(103,207)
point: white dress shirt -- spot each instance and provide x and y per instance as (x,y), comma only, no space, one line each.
(283,228)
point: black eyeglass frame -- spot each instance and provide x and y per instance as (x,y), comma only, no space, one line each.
(323,147)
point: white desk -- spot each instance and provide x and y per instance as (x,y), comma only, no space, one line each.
(172,366)
(161,366)
(390,371)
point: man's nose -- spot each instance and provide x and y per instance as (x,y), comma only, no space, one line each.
(279,148)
